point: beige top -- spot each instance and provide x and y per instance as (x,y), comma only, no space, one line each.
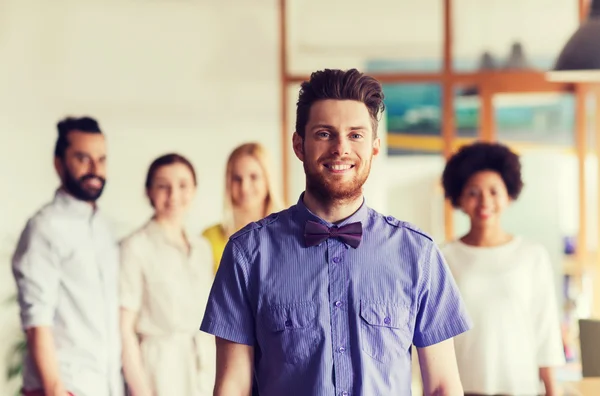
(169,289)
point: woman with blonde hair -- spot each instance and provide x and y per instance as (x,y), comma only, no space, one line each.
(250,195)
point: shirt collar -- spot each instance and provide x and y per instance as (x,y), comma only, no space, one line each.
(305,214)
(77,206)
(156,231)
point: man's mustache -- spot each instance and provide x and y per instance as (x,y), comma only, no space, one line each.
(89,177)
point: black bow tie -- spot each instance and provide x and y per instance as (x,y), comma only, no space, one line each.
(315,233)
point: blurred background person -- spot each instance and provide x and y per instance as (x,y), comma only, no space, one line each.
(65,266)
(506,281)
(250,195)
(166,275)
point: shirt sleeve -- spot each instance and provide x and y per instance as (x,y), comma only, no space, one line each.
(130,278)
(229,313)
(441,311)
(549,346)
(36,269)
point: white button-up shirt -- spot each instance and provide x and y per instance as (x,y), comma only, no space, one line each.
(66,266)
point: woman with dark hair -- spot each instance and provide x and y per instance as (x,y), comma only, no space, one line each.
(505,280)
(166,275)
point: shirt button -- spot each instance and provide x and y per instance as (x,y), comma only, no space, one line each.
(337,260)
(288,323)
(387,320)
(338,304)
(390,218)
(341,349)
(344,393)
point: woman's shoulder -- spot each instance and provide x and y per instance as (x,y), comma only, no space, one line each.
(213,232)
(529,247)
(136,237)
(449,246)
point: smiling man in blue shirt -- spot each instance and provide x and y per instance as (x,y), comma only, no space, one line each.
(327,297)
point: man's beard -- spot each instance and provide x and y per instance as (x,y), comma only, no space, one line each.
(76,187)
(332,191)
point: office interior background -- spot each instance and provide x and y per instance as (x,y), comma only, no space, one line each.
(199,77)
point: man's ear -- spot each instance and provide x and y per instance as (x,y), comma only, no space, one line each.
(376,146)
(298,145)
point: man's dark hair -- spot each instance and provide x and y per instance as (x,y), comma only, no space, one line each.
(69,124)
(479,157)
(340,85)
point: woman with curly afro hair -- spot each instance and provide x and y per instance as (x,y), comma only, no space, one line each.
(505,280)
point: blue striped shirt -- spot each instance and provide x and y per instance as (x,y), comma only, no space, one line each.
(331,319)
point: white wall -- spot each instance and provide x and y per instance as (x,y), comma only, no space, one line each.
(414,191)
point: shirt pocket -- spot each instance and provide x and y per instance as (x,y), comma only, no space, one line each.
(385,330)
(292,332)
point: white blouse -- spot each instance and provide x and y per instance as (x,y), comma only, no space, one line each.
(510,294)
(169,288)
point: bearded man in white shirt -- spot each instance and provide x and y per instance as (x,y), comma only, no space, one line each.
(66,268)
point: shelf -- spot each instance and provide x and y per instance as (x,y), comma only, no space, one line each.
(514,81)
